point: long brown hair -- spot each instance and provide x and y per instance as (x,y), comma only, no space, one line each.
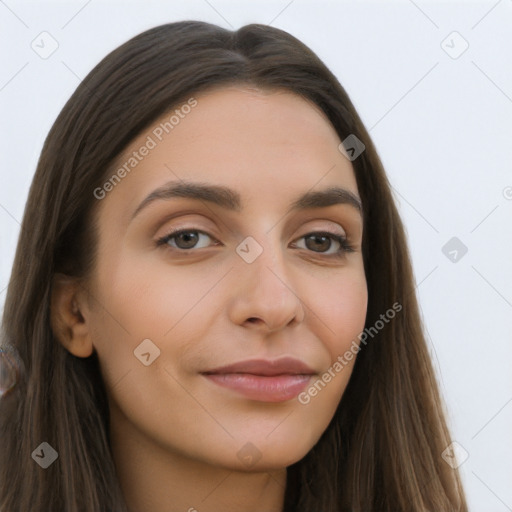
(381,451)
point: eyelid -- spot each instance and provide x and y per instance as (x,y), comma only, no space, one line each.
(335,229)
(162,240)
(341,239)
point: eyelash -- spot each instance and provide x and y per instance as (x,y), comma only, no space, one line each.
(345,247)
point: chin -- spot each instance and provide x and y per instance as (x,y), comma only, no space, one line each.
(264,455)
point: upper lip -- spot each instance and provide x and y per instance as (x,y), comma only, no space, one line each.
(284,366)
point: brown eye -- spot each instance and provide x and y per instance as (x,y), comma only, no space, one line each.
(184,239)
(318,243)
(322,243)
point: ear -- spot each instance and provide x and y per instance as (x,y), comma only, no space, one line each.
(69,313)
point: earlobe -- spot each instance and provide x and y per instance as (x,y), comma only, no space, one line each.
(68,316)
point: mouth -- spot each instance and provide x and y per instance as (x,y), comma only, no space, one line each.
(263,380)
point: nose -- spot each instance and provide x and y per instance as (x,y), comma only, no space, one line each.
(264,295)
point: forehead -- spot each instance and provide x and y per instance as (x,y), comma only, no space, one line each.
(269,145)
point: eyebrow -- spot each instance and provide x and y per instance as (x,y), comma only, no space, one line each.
(230,199)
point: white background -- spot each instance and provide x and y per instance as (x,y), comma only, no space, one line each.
(442,126)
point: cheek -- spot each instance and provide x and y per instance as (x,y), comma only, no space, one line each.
(146,299)
(156,301)
(342,307)
(146,296)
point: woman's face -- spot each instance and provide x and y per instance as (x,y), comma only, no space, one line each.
(247,280)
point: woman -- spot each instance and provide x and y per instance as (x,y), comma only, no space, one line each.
(212,297)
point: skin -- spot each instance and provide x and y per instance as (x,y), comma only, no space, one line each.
(176,435)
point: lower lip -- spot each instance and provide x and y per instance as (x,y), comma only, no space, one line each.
(276,388)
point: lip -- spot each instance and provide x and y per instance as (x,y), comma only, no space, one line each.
(266,367)
(264,380)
